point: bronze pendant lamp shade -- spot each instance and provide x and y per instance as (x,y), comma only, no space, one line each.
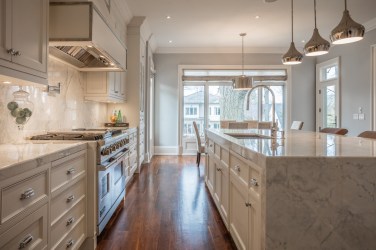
(347,31)
(317,45)
(293,56)
(242,82)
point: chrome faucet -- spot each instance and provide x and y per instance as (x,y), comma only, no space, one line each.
(274,127)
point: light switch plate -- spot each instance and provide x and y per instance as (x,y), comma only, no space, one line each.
(356,116)
(361,117)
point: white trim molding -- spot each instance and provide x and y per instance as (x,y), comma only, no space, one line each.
(373,87)
(370,25)
(166,150)
(219,50)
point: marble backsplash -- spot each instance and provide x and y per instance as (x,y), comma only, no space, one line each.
(62,111)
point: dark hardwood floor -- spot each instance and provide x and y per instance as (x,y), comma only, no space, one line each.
(167,206)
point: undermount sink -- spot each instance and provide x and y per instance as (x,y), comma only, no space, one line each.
(248,136)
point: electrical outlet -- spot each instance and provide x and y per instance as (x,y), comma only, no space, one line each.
(361,117)
(356,116)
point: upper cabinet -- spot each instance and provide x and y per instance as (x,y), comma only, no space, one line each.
(105,87)
(24,39)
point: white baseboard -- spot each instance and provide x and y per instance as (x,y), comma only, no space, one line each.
(163,150)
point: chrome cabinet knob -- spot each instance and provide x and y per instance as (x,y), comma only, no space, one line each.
(248,204)
(11,51)
(253,182)
(29,238)
(27,194)
(237,168)
(70,198)
(70,243)
(71,171)
(17,53)
(70,221)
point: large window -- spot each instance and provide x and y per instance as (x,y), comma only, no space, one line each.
(208,100)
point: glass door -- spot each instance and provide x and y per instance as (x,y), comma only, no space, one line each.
(193,110)
(327,95)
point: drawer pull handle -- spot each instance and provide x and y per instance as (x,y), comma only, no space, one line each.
(70,243)
(11,52)
(102,211)
(247,204)
(17,53)
(70,221)
(70,198)
(71,171)
(237,168)
(253,182)
(29,238)
(27,194)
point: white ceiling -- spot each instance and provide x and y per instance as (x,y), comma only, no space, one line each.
(214,25)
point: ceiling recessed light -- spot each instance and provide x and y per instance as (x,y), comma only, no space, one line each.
(303,41)
(257,17)
(7,82)
(170,41)
(168,17)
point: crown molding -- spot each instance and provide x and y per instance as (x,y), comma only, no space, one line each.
(370,25)
(224,50)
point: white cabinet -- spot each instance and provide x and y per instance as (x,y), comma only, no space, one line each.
(234,184)
(136,80)
(24,39)
(45,208)
(105,86)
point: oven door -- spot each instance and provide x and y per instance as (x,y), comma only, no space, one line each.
(111,185)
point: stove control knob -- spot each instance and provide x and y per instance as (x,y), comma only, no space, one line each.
(106,151)
(113,148)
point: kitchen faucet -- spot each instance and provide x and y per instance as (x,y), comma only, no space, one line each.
(274,127)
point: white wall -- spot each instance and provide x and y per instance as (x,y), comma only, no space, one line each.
(355,60)
(166,88)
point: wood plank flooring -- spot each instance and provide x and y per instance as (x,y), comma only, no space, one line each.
(167,206)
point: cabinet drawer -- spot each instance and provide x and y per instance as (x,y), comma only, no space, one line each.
(217,150)
(20,196)
(254,178)
(67,222)
(75,238)
(132,169)
(132,149)
(61,204)
(30,233)
(132,138)
(239,168)
(67,169)
(133,159)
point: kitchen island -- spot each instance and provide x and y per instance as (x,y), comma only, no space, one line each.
(306,191)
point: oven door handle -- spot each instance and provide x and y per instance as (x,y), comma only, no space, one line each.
(102,167)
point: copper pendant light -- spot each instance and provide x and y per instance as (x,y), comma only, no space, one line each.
(347,31)
(317,45)
(292,56)
(242,82)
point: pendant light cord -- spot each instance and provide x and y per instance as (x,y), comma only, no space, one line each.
(314,1)
(242,55)
(345,4)
(292,21)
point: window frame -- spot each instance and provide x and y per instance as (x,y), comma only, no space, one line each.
(181,68)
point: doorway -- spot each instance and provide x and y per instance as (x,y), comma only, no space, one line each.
(328,94)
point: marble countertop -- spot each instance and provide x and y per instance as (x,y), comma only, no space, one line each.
(33,154)
(298,144)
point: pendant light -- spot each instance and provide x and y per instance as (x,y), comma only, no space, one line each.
(317,45)
(242,82)
(347,31)
(293,56)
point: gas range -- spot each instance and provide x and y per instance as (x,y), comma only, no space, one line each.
(110,141)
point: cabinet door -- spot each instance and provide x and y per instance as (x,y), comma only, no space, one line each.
(225,185)
(122,84)
(5,29)
(211,173)
(255,227)
(217,183)
(29,33)
(239,212)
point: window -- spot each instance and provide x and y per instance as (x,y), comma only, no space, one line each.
(210,100)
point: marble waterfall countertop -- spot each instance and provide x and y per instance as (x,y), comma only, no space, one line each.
(17,158)
(317,191)
(296,143)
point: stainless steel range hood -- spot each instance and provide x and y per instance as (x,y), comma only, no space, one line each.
(79,36)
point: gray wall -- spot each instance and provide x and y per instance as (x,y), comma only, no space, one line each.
(166,88)
(355,61)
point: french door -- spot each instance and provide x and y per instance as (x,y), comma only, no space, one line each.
(328,95)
